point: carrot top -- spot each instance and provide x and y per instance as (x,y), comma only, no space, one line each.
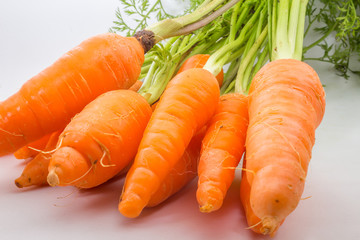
(286,28)
(170,27)
(245,44)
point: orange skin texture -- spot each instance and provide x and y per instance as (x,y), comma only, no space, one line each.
(286,105)
(49,100)
(26,152)
(186,105)
(136,86)
(199,61)
(101,140)
(183,172)
(36,171)
(222,149)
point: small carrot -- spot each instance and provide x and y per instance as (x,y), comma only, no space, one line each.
(100,141)
(224,142)
(36,171)
(30,150)
(183,172)
(50,99)
(198,61)
(186,105)
(222,149)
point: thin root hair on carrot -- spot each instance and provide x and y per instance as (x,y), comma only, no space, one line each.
(51,151)
(242,169)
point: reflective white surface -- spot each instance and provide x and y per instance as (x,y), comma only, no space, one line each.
(35,33)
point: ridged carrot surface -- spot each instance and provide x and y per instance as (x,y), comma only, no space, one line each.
(222,149)
(36,171)
(48,101)
(186,105)
(101,140)
(29,151)
(183,172)
(199,61)
(286,105)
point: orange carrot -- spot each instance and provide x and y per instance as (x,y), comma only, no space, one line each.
(286,105)
(198,61)
(29,151)
(183,172)
(222,148)
(36,171)
(186,105)
(100,141)
(136,86)
(50,99)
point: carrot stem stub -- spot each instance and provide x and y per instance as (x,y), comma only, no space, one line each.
(186,105)
(286,105)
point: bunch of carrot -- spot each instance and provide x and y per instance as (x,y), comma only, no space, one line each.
(82,132)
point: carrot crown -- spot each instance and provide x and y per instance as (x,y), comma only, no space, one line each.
(286,28)
(243,46)
(204,14)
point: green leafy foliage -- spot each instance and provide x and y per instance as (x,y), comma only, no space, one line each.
(340,18)
(141,11)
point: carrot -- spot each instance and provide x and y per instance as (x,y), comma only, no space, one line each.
(29,151)
(100,141)
(222,149)
(186,105)
(185,169)
(224,142)
(183,172)
(198,61)
(36,171)
(50,99)
(286,105)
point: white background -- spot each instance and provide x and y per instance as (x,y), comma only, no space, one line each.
(33,34)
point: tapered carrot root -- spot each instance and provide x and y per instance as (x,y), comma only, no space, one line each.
(100,141)
(36,171)
(222,149)
(199,61)
(31,150)
(183,172)
(286,104)
(186,105)
(50,99)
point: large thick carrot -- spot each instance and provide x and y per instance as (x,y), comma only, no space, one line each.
(183,172)
(286,104)
(100,141)
(30,150)
(50,99)
(185,106)
(222,149)
(36,171)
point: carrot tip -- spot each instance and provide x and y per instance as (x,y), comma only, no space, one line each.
(129,209)
(53,178)
(18,184)
(269,225)
(207,208)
